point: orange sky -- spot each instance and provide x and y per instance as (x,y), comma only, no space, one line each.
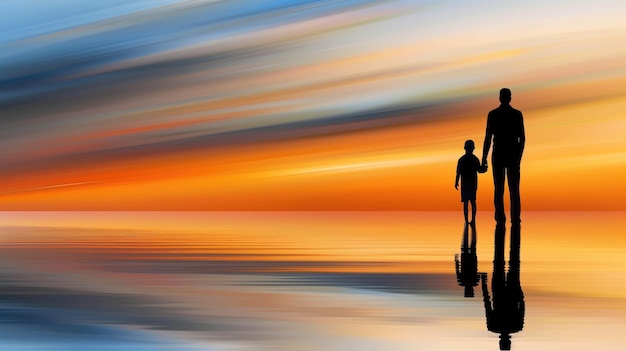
(320,115)
(573,161)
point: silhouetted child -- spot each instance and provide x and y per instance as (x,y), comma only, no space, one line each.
(467,169)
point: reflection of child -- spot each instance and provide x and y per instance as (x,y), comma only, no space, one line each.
(467,169)
(467,271)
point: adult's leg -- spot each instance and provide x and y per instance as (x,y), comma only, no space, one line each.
(498,281)
(513,177)
(465,246)
(498,252)
(498,193)
(514,287)
(514,255)
(465,211)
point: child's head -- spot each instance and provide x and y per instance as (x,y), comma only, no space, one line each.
(469,146)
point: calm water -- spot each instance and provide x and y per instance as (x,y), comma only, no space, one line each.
(300,281)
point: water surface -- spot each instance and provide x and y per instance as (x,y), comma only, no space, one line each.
(299,281)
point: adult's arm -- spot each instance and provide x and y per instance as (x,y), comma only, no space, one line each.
(522,137)
(458,175)
(486,297)
(457,265)
(487,142)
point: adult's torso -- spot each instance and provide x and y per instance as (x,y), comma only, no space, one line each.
(506,125)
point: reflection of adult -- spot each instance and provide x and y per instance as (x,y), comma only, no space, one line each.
(505,125)
(505,309)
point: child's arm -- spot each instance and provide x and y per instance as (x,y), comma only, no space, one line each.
(480,168)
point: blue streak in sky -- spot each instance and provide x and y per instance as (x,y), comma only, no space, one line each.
(104,35)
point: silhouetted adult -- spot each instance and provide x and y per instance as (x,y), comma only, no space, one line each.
(505,310)
(505,126)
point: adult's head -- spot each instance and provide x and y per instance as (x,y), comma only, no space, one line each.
(505,95)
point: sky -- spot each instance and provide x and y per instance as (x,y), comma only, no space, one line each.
(304,105)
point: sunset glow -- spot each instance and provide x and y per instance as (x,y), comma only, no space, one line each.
(312,105)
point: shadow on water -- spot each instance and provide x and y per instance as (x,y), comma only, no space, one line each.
(467,262)
(505,308)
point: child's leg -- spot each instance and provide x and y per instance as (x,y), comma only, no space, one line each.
(473,210)
(465,211)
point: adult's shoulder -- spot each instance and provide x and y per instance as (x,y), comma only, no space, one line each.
(494,111)
(516,111)
(492,115)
